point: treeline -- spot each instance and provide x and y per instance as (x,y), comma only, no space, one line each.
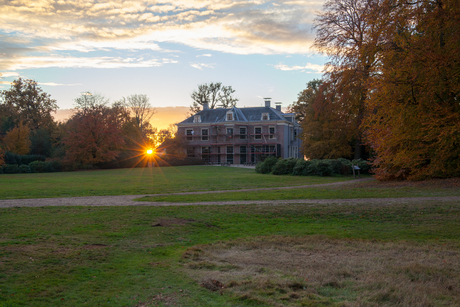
(97,135)
(391,87)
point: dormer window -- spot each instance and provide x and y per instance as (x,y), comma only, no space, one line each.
(197,119)
(265,116)
(229,116)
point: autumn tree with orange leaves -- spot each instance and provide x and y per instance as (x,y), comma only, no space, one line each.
(392,83)
(94,133)
(413,122)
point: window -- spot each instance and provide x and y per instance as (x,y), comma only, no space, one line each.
(206,154)
(229,116)
(230,154)
(189,134)
(243,154)
(243,133)
(191,152)
(265,116)
(230,133)
(204,134)
(197,119)
(271,131)
(257,133)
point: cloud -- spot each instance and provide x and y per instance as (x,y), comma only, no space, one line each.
(201,65)
(84,62)
(8,74)
(205,55)
(309,67)
(31,30)
(57,84)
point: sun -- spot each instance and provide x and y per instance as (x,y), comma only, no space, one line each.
(150,151)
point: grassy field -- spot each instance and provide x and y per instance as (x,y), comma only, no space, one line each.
(144,181)
(369,189)
(246,255)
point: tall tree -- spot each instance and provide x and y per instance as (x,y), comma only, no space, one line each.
(322,136)
(140,109)
(94,132)
(351,33)
(214,94)
(304,99)
(29,104)
(17,139)
(414,111)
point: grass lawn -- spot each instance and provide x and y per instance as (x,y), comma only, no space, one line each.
(144,181)
(246,255)
(370,189)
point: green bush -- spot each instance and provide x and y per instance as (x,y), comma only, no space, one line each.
(336,166)
(300,167)
(311,169)
(45,167)
(24,168)
(11,169)
(265,167)
(324,168)
(12,158)
(315,167)
(284,166)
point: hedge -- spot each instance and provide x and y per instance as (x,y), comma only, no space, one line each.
(315,167)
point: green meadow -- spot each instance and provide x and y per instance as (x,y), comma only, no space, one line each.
(395,254)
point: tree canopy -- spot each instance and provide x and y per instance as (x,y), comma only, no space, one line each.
(25,101)
(392,83)
(214,94)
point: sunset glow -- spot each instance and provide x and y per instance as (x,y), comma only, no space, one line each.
(163,49)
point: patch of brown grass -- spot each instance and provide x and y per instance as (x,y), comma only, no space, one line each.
(171,222)
(318,270)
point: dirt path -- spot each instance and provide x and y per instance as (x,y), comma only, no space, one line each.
(128,200)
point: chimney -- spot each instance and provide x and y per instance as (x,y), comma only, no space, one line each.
(267,102)
(278,106)
(205,104)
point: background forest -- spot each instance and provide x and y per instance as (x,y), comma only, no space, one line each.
(96,135)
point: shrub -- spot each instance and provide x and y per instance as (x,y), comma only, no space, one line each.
(11,169)
(311,169)
(324,169)
(27,159)
(45,167)
(24,168)
(265,167)
(299,168)
(12,158)
(284,166)
(336,166)
(37,166)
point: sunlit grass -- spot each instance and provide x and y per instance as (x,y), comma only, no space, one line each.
(148,180)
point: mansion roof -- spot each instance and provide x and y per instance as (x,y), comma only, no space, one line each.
(251,114)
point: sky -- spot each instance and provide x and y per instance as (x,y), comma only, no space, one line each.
(161,48)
